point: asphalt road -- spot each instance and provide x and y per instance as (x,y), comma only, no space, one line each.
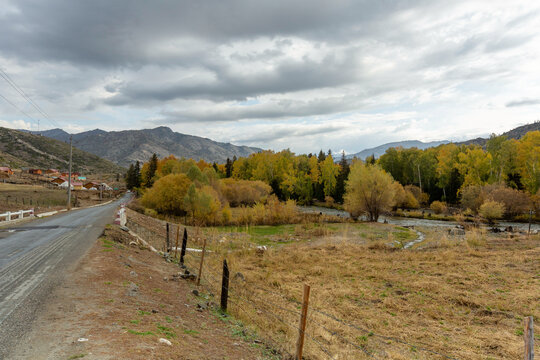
(33,259)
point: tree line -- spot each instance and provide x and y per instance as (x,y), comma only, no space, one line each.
(410,178)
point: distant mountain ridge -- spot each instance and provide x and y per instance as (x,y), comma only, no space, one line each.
(516,133)
(22,149)
(127,146)
(381,149)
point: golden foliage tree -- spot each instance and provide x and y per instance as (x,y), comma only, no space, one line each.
(167,194)
(370,191)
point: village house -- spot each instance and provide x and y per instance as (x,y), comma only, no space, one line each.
(77,185)
(58,181)
(92,185)
(74,185)
(52,172)
(6,170)
(35,171)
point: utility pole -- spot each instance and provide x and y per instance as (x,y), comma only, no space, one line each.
(69,179)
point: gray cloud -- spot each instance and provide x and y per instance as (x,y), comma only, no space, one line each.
(287,77)
(287,132)
(184,62)
(523,102)
(270,110)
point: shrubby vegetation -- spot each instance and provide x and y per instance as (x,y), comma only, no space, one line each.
(506,172)
(491,210)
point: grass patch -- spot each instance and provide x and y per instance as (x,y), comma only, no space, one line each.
(191,332)
(168,332)
(77,356)
(142,333)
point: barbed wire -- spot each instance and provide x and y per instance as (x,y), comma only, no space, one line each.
(292,300)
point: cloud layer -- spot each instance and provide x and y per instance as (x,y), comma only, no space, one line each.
(304,75)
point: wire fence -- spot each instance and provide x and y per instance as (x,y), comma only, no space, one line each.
(274,316)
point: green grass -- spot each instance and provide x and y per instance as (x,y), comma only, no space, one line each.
(142,333)
(191,332)
(77,356)
(168,332)
(285,234)
(260,234)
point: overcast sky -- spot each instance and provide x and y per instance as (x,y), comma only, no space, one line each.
(304,75)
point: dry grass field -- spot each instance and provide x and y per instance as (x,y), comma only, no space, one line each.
(447,297)
(14,197)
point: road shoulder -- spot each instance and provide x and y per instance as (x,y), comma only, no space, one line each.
(118,303)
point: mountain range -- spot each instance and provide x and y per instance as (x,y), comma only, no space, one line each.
(516,133)
(24,148)
(381,149)
(126,147)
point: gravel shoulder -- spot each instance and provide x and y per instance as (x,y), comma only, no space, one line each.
(119,301)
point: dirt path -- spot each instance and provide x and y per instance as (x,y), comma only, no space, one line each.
(119,302)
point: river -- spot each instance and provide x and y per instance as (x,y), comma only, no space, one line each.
(401,221)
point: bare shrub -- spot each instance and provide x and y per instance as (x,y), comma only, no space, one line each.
(244,192)
(515,202)
(472,197)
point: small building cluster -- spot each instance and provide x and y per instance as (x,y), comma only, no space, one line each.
(59,178)
(62,182)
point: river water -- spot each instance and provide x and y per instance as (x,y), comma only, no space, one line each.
(414,222)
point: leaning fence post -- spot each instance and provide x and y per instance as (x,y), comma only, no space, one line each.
(176,244)
(528,335)
(202,260)
(224,286)
(184,244)
(167,241)
(302,328)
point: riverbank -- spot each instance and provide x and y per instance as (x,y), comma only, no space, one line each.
(428,222)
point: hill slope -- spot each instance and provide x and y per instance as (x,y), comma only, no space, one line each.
(23,149)
(126,147)
(516,133)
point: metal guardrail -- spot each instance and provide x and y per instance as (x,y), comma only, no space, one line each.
(9,216)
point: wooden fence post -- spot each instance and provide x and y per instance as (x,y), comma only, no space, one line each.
(167,241)
(184,245)
(302,328)
(528,335)
(202,260)
(176,244)
(224,286)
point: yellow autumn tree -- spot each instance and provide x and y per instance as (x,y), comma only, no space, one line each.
(167,194)
(369,190)
(529,161)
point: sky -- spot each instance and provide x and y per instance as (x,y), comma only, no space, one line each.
(304,75)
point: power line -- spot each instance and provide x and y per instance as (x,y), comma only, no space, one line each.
(16,107)
(21,92)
